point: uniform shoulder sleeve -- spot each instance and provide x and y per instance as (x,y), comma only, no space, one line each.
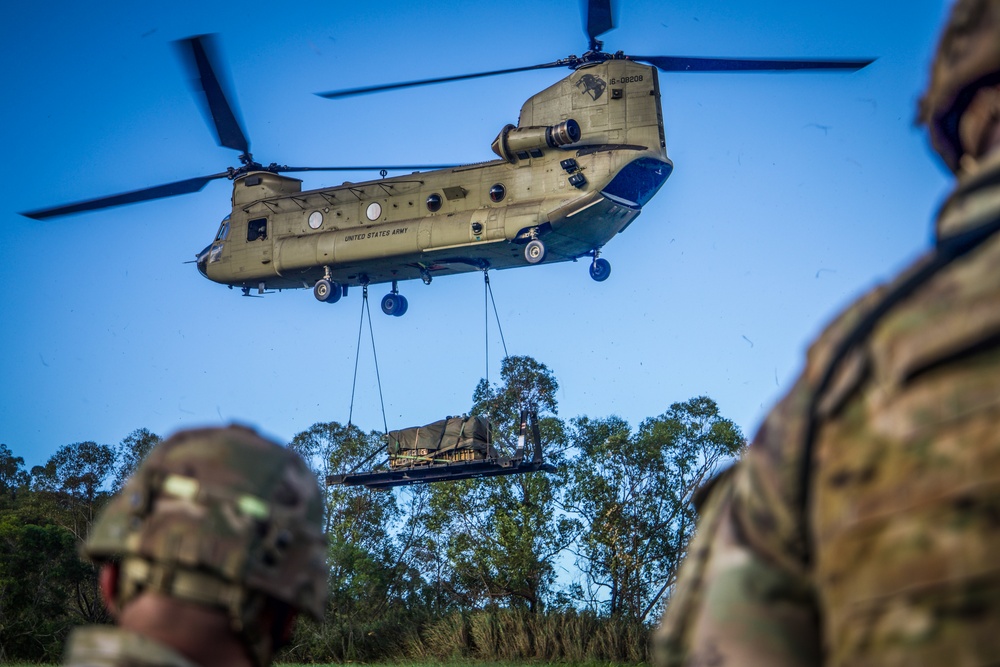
(744,595)
(768,491)
(733,606)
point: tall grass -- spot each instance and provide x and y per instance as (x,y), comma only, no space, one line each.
(507,636)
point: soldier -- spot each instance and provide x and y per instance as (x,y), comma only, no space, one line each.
(863,526)
(207,555)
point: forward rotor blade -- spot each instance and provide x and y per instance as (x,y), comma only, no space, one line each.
(158,192)
(599,18)
(686,64)
(199,53)
(333,94)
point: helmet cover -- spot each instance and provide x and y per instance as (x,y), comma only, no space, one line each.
(967,58)
(214,515)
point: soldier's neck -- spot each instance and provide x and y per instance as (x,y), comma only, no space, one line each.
(199,633)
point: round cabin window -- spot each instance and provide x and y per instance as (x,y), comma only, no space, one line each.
(315,219)
(434,203)
(374,211)
(497,193)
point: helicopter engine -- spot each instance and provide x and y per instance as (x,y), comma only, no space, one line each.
(520,143)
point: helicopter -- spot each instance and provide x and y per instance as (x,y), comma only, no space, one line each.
(585,156)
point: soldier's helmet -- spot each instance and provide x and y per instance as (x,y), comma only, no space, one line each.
(221,517)
(968,57)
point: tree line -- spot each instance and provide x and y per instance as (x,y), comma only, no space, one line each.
(573,565)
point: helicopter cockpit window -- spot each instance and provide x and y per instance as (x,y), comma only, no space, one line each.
(257,229)
(434,203)
(223,230)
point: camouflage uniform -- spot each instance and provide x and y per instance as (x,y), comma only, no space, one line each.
(217,517)
(863,526)
(108,646)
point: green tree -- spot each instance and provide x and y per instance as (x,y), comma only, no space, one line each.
(374,582)
(13,477)
(502,535)
(69,491)
(632,492)
(367,565)
(40,574)
(45,588)
(76,478)
(130,452)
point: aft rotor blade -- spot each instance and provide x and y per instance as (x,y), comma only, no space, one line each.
(411,167)
(333,94)
(599,18)
(158,192)
(689,64)
(200,55)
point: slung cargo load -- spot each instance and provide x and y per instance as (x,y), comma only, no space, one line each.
(449,449)
(447,441)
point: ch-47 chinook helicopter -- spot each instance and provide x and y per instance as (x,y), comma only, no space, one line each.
(585,156)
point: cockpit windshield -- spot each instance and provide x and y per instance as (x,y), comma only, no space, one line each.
(223,230)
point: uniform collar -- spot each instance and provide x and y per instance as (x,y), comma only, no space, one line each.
(110,646)
(975,200)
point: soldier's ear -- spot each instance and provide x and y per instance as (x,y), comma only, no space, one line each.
(107,580)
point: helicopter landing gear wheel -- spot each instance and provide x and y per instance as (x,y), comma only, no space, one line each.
(394,304)
(326,291)
(534,252)
(600,269)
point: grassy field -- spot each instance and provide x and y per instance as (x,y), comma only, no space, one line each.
(415,664)
(474,663)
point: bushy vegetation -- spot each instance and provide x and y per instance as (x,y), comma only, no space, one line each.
(567,567)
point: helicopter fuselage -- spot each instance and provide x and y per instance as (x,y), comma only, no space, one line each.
(586,155)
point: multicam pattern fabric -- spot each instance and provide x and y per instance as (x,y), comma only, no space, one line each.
(894,559)
(106,646)
(968,54)
(214,514)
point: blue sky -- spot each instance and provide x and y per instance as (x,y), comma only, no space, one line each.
(791,194)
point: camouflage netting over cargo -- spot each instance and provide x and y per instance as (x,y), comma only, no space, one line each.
(446,441)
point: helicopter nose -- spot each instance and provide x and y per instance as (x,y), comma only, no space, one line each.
(201,259)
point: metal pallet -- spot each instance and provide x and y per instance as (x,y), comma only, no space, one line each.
(442,472)
(385,479)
